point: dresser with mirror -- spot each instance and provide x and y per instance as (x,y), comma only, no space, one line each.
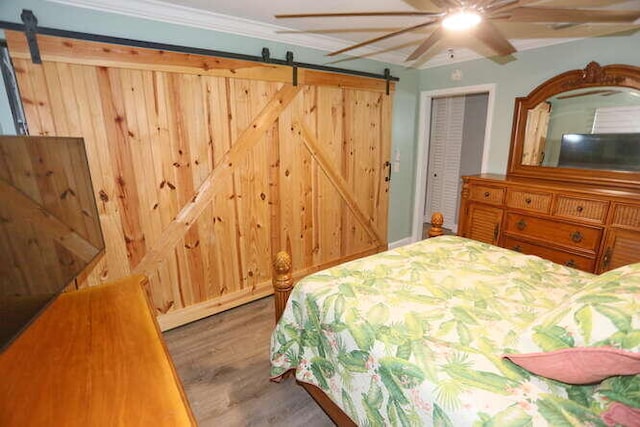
(572,189)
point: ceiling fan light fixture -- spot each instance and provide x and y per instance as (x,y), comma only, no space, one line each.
(461,20)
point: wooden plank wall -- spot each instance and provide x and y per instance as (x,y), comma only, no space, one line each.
(49,226)
(204,167)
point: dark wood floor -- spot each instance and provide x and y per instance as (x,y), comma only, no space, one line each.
(223,362)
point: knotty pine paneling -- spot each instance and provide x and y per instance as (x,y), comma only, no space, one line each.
(363,166)
(295,185)
(328,232)
(47,213)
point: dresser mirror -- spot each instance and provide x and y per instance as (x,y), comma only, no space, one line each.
(580,126)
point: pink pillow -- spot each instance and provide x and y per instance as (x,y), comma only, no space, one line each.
(621,415)
(580,365)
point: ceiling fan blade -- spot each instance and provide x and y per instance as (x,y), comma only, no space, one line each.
(482,4)
(505,6)
(424,5)
(581,4)
(382,37)
(447,4)
(487,33)
(347,14)
(531,30)
(430,4)
(541,14)
(434,38)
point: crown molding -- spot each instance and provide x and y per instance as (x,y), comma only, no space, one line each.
(181,15)
(186,16)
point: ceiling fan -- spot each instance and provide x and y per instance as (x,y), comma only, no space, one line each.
(477,18)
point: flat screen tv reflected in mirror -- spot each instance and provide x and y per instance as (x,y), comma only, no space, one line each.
(49,225)
(604,151)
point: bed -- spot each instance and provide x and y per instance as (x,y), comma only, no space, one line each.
(454,332)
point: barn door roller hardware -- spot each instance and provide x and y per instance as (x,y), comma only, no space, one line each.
(387,77)
(294,67)
(266,55)
(29,26)
(30,30)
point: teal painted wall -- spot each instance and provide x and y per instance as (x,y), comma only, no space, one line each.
(519,77)
(405,102)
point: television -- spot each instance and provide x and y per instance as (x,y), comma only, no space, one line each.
(49,225)
(605,151)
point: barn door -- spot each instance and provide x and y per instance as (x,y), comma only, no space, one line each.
(204,167)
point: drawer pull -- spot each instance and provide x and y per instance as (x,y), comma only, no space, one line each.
(527,200)
(496,230)
(606,259)
(570,263)
(577,237)
(579,208)
(487,194)
(522,224)
(517,248)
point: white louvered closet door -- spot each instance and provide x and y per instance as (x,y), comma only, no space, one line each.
(445,146)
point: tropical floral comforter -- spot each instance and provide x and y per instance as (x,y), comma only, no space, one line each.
(415,336)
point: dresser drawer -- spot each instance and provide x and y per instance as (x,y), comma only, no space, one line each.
(536,202)
(626,215)
(559,233)
(558,256)
(578,208)
(487,194)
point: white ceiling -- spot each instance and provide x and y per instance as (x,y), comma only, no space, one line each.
(256,18)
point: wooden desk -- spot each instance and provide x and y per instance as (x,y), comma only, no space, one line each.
(95,357)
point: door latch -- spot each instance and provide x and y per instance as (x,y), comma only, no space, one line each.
(387,178)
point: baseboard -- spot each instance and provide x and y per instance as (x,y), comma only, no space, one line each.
(399,243)
(200,310)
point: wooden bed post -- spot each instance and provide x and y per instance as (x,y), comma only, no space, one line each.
(282,281)
(436,225)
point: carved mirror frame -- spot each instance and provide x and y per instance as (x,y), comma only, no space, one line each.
(592,76)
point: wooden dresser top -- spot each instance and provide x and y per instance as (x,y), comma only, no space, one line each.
(558,186)
(95,357)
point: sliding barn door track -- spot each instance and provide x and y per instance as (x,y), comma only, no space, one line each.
(30,28)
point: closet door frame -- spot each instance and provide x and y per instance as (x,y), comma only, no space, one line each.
(424,131)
